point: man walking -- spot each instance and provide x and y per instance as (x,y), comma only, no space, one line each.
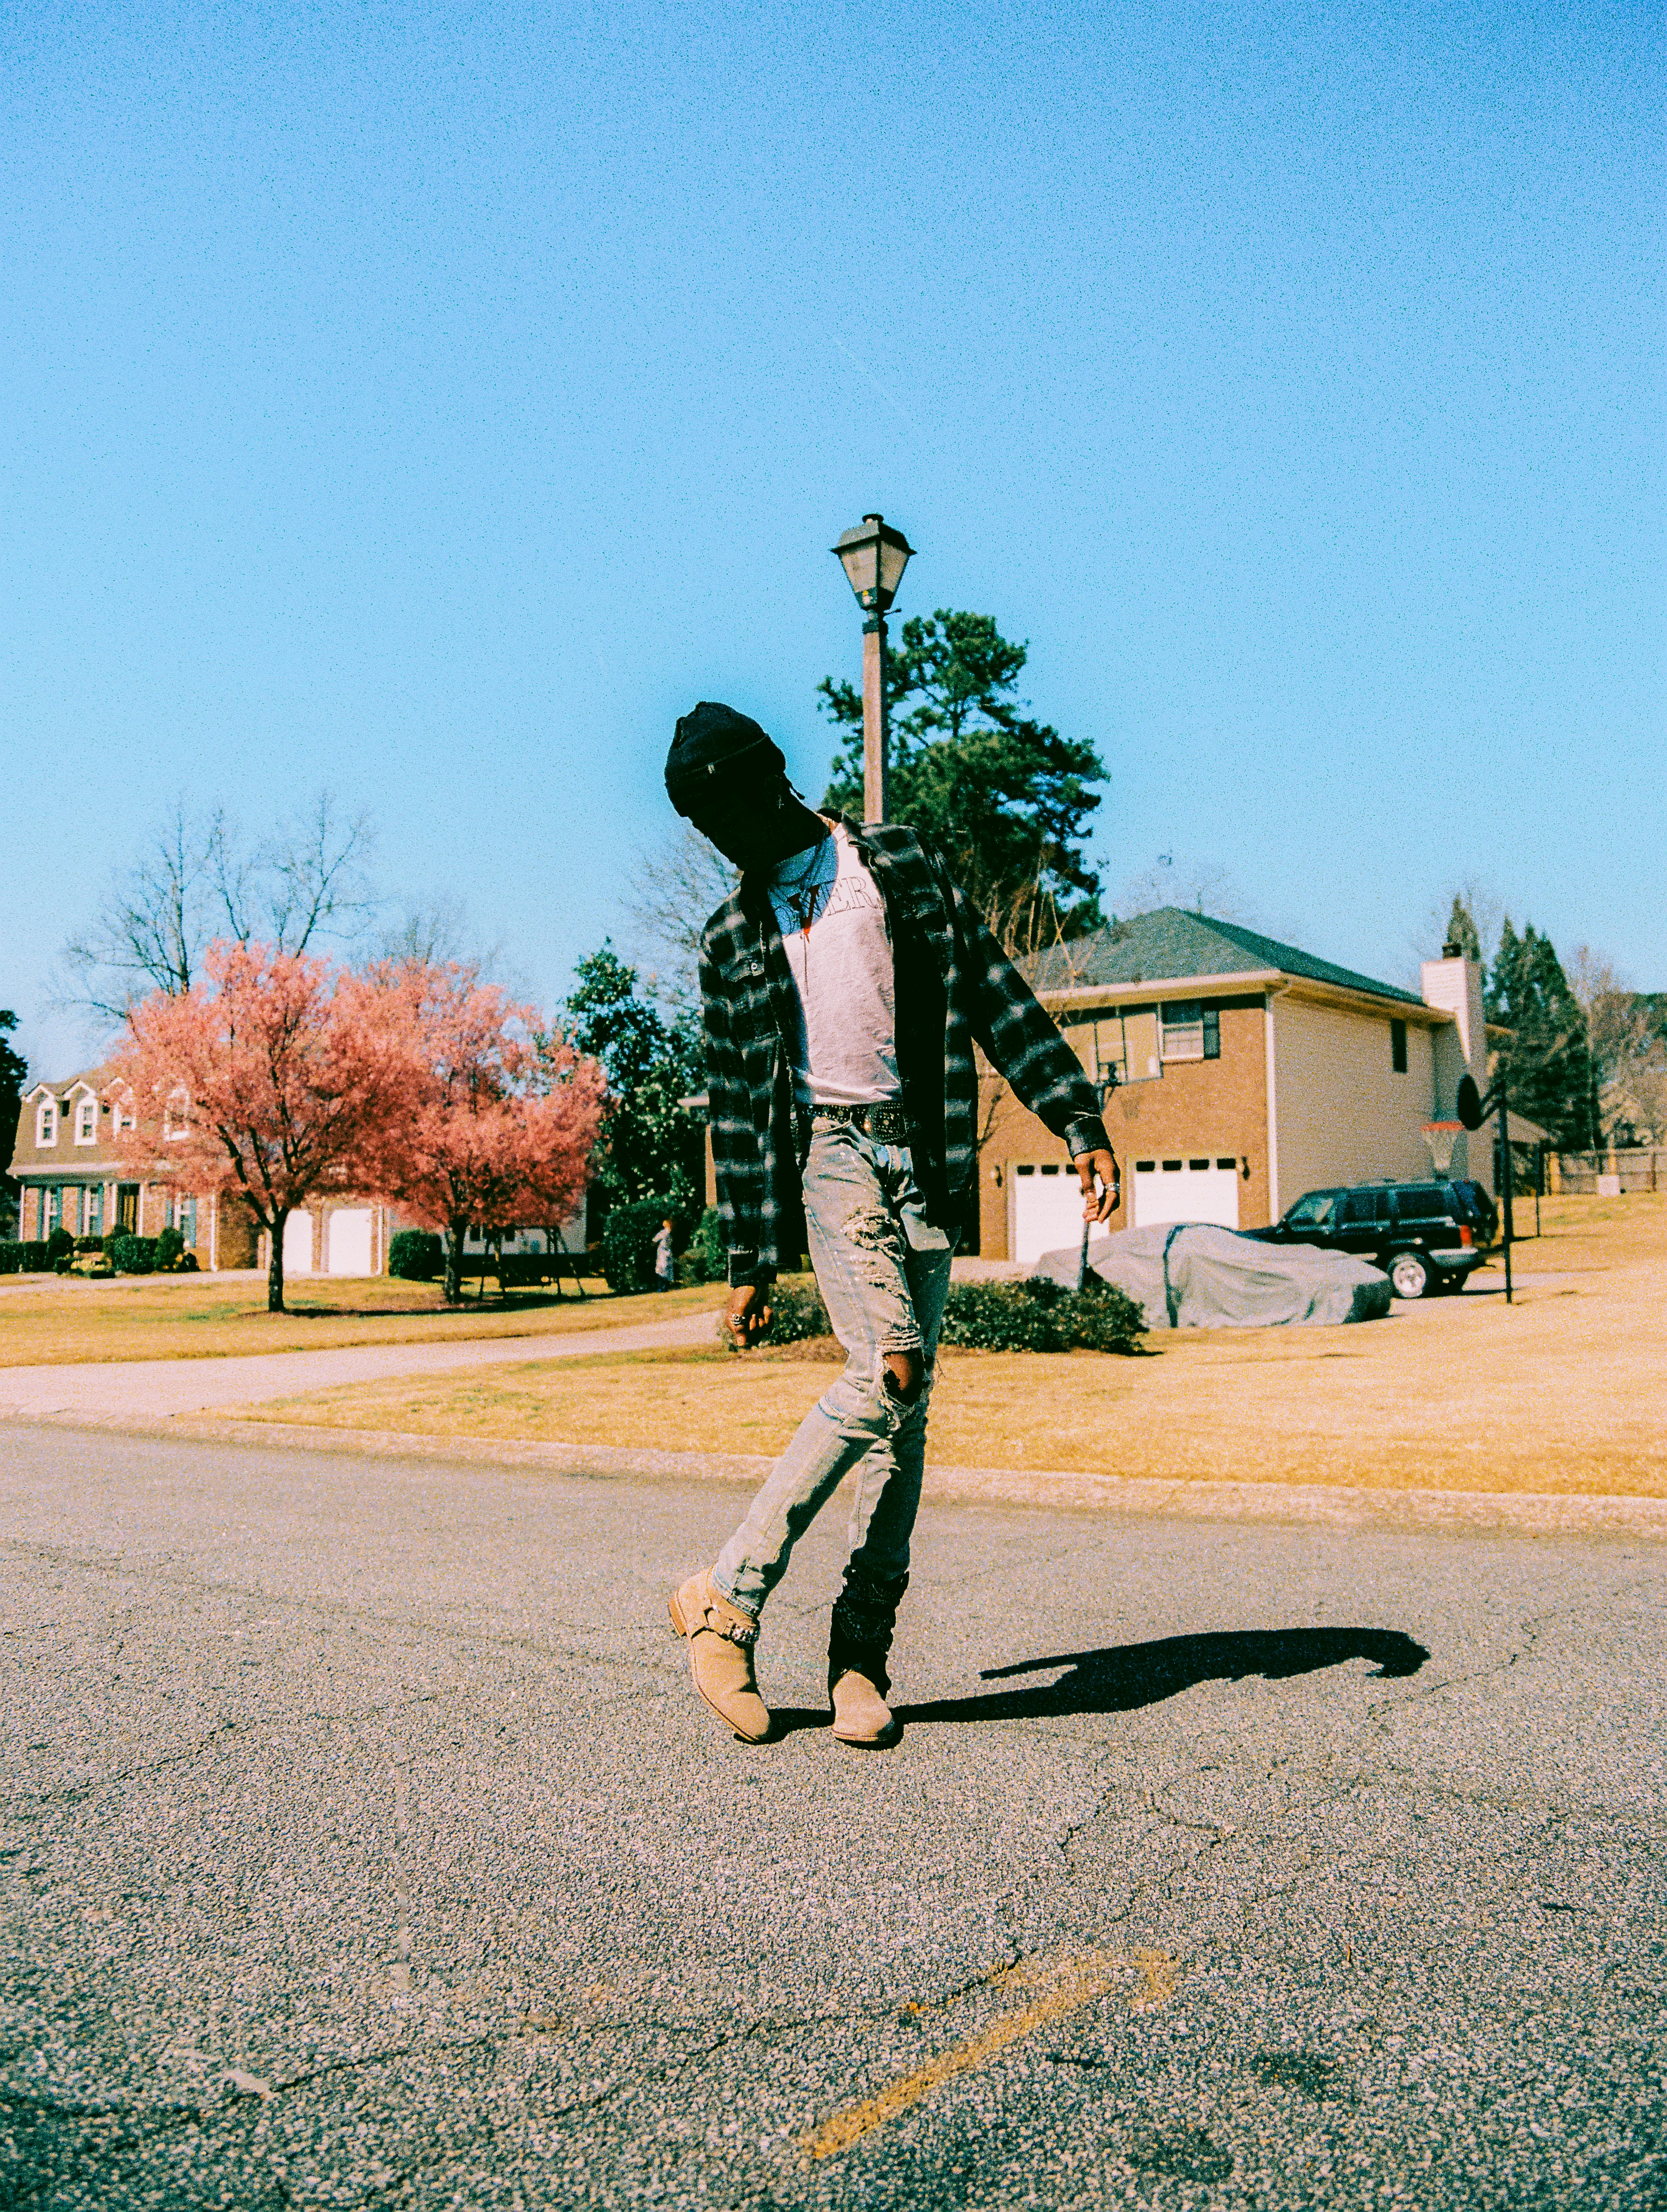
(843,987)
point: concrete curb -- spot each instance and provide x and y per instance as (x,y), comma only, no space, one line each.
(1456,1512)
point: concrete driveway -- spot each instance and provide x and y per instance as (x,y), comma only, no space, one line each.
(363,1845)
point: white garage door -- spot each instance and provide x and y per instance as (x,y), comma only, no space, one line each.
(298,1244)
(1186,1190)
(1047,1211)
(351,1241)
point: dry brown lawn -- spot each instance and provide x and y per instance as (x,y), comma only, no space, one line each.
(207,1317)
(1564,1391)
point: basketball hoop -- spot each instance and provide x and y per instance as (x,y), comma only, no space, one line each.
(1441,1137)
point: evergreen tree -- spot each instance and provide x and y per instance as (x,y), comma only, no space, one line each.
(650,1146)
(1546,1065)
(1463,934)
(13,1068)
(1006,798)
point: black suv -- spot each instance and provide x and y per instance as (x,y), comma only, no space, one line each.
(1422,1235)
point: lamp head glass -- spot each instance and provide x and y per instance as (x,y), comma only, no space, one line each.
(873,557)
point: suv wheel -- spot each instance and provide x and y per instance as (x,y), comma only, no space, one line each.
(1409,1275)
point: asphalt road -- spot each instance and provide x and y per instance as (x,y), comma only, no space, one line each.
(363,1845)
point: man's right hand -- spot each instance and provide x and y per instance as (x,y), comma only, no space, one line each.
(749,1314)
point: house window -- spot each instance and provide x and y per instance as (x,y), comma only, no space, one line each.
(54,1208)
(1183,1030)
(176,1114)
(45,1121)
(1398,1047)
(126,1117)
(87,1121)
(95,1211)
(1212,1033)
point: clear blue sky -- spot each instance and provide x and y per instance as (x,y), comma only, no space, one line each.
(435,403)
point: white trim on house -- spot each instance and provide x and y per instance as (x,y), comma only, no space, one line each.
(1270,1056)
(1086,997)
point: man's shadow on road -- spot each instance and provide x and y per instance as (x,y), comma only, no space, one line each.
(1126,1676)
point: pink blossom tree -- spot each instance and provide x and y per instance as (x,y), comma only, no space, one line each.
(275,1079)
(504,1113)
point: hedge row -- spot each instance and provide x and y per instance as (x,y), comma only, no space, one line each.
(124,1254)
(1028,1316)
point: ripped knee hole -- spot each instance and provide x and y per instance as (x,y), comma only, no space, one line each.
(905,1376)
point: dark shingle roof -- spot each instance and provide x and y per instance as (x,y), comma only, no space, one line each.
(1172,945)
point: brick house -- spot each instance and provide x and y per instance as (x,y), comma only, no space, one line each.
(1246,1071)
(71,1176)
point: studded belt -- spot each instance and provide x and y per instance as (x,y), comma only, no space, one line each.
(886,1125)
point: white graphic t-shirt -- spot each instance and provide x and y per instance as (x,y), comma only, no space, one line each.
(828,910)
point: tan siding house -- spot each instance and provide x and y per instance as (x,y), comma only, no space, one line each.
(1244,1072)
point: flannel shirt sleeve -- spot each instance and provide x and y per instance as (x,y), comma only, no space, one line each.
(1022,1041)
(740,1171)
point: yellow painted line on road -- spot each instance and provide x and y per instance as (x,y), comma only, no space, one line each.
(1062,1987)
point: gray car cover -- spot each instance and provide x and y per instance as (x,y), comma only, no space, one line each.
(1189,1275)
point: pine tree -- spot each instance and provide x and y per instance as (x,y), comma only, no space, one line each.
(1547,1065)
(1006,798)
(1462,932)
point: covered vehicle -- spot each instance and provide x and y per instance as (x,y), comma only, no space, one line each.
(1192,1275)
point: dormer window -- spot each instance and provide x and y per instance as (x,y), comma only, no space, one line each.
(122,1115)
(45,1122)
(87,1120)
(176,1114)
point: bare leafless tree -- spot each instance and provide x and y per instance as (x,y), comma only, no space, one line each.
(675,887)
(1628,1056)
(197,880)
(1199,886)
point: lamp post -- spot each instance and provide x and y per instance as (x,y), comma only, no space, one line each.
(873,557)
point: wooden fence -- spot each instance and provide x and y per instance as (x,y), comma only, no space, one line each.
(1637,1167)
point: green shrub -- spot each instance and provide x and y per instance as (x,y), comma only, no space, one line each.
(89,1243)
(416,1256)
(26,1257)
(1040,1316)
(706,1259)
(628,1243)
(796,1311)
(60,1245)
(131,1255)
(169,1245)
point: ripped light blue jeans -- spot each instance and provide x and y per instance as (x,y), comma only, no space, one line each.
(883,1270)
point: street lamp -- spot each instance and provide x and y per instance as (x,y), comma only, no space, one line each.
(873,557)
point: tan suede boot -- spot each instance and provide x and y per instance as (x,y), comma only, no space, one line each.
(862,1715)
(720,1638)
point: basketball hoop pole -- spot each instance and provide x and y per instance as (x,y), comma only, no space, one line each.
(1505,1164)
(1473,1110)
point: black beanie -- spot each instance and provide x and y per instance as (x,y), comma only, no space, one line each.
(715,748)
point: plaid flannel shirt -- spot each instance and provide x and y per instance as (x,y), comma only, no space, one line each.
(955,987)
